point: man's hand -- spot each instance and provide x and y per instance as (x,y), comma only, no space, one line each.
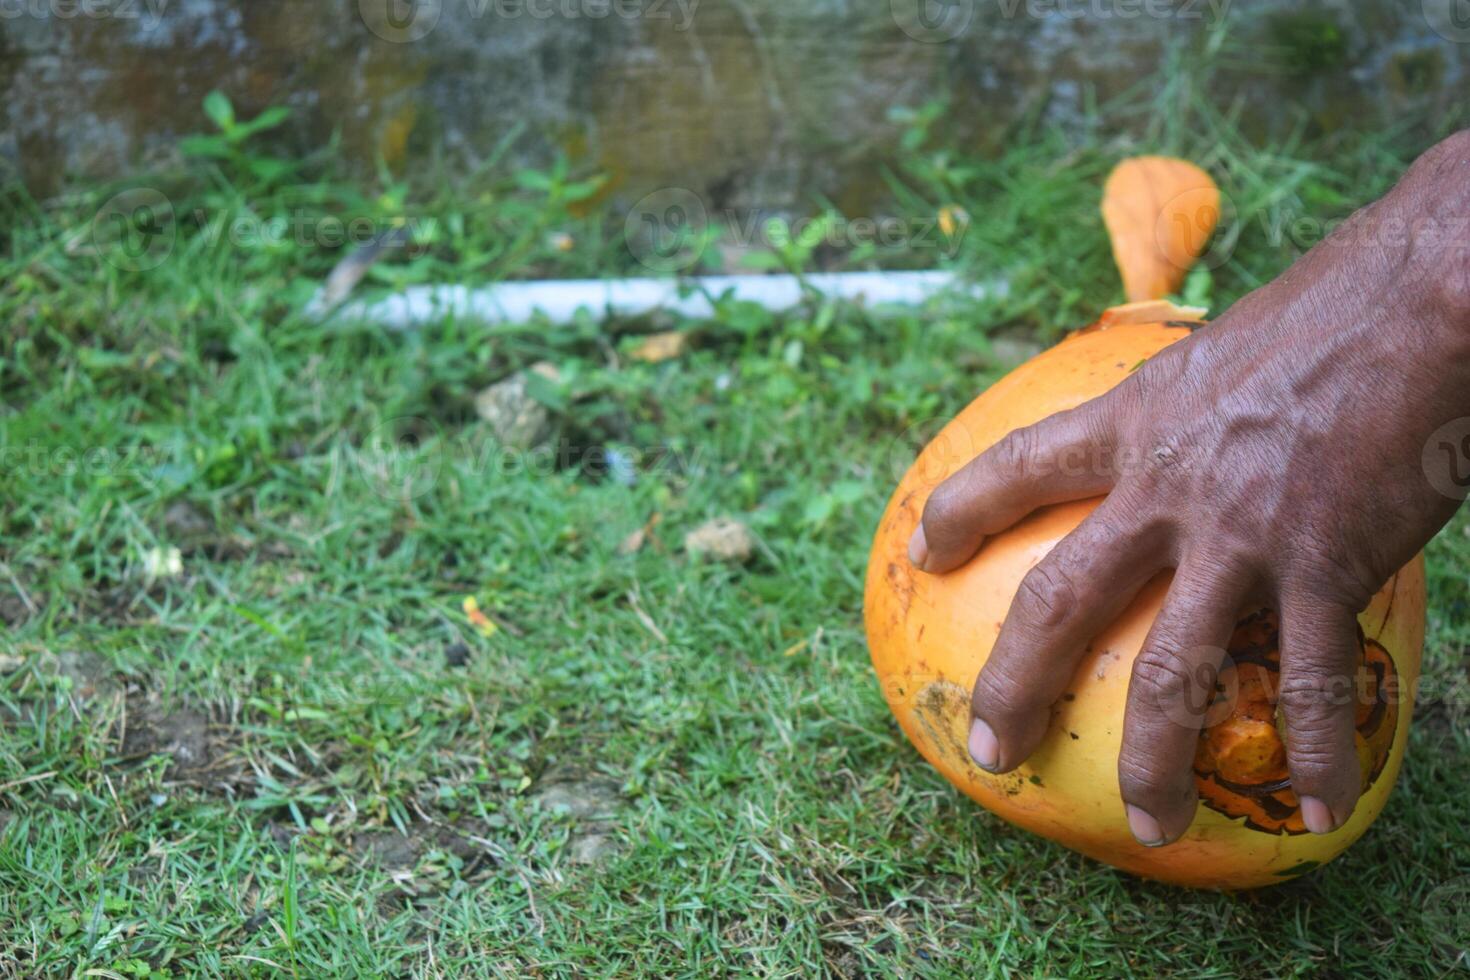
(1275,457)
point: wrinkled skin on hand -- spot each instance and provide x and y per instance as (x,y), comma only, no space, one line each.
(1275,457)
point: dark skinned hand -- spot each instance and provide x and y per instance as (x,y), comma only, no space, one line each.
(1275,457)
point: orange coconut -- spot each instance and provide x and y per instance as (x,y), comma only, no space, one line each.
(930,634)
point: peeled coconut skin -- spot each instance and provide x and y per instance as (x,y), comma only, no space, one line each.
(930,634)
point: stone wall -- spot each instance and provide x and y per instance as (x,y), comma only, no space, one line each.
(746,101)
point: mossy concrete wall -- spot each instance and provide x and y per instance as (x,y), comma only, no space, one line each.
(746,101)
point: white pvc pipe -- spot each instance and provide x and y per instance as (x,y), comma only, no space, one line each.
(559,300)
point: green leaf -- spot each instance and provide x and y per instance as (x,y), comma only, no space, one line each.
(582,190)
(289,908)
(534,180)
(761,261)
(268,169)
(819,509)
(95,361)
(269,119)
(219,110)
(209,147)
(1199,285)
(547,392)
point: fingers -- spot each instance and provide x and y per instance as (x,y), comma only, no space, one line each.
(1173,682)
(1067,599)
(1319,663)
(1065,457)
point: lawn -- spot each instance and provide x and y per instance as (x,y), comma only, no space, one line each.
(287,748)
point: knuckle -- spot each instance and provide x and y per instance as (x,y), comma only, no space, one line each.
(1047,597)
(1170,690)
(1311,760)
(1310,698)
(1146,782)
(1105,529)
(1319,742)
(1014,457)
(1324,769)
(945,507)
(1160,673)
(1003,695)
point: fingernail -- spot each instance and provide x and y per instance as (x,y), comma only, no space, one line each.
(984,749)
(919,548)
(1145,828)
(1317,816)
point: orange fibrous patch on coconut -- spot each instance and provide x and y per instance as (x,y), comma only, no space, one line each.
(1241,761)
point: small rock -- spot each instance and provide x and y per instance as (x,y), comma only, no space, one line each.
(633,543)
(723,538)
(661,347)
(387,848)
(456,655)
(183,520)
(183,735)
(90,675)
(620,467)
(13,611)
(161,563)
(591,849)
(518,420)
(590,799)
(283,834)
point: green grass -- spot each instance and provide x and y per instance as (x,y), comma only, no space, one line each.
(299,757)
